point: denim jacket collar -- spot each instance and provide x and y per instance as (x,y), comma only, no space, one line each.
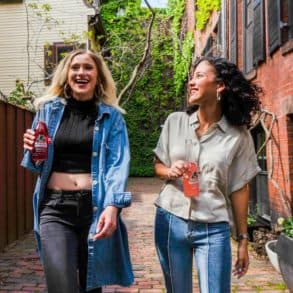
(102,107)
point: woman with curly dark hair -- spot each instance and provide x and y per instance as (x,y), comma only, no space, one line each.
(207,157)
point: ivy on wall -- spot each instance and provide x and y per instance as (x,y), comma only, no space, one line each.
(204,9)
(183,48)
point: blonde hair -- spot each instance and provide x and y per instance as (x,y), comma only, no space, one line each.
(105,88)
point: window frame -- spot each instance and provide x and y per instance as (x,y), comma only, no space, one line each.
(52,56)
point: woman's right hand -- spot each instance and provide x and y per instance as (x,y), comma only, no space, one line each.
(28,139)
(177,169)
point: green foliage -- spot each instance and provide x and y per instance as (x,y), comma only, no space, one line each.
(204,9)
(286,226)
(251,220)
(154,95)
(19,97)
(41,10)
(182,48)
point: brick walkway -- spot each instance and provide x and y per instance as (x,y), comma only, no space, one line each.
(20,270)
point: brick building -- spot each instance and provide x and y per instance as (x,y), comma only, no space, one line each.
(258,36)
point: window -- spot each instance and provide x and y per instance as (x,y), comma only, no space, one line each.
(290,18)
(259,184)
(221,31)
(253,34)
(258,32)
(233,32)
(286,21)
(54,54)
(247,36)
(274,24)
(208,49)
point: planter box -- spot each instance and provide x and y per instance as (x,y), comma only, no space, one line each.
(285,255)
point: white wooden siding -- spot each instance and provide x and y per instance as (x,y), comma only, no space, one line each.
(72,16)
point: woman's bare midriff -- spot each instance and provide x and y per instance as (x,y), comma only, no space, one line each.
(69,181)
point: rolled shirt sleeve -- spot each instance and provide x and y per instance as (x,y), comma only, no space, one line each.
(244,166)
(162,148)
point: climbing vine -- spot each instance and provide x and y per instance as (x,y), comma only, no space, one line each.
(204,8)
(153,97)
(182,45)
(159,89)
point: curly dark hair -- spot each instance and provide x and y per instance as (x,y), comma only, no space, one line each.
(240,98)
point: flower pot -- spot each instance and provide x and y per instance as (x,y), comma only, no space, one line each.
(285,255)
(272,254)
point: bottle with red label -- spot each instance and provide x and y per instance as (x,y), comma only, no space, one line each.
(42,140)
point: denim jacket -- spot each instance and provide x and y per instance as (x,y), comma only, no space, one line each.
(108,259)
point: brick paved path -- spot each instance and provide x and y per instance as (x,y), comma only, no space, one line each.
(20,270)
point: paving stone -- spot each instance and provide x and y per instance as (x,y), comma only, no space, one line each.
(21,271)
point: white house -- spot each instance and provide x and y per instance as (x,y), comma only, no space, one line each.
(33,36)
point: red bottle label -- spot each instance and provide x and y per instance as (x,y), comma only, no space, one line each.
(191,180)
(40,151)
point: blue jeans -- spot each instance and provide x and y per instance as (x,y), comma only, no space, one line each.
(177,240)
(65,218)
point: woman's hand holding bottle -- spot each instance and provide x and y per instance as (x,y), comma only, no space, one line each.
(29,139)
(177,169)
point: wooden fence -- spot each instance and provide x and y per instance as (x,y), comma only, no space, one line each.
(16,183)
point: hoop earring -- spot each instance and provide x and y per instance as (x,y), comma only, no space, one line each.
(219,96)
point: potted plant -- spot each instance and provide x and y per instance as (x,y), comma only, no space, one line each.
(284,250)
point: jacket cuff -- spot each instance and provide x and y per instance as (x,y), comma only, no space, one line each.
(28,164)
(119,200)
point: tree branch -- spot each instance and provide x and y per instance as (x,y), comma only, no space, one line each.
(141,63)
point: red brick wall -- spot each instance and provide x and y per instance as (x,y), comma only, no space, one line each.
(275,76)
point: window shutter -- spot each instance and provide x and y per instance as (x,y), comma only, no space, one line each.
(207,51)
(233,32)
(290,18)
(258,32)
(274,24)
(247,36)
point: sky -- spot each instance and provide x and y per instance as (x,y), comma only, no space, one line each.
(156,3)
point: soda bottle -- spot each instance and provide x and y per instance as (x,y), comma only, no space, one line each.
(191,180)
(42,139)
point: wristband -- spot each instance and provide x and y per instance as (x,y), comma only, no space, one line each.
(242,236)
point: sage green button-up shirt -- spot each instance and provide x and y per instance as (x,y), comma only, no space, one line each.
(226,160)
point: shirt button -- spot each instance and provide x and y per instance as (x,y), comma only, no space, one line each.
(96,128)
(91,235)
(95,182)
(95,208)
(95,154)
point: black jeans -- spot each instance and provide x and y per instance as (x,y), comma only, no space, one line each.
(65,219)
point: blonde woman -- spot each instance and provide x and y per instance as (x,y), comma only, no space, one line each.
(81,186)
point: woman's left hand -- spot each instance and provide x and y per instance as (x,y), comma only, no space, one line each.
(107,223)
(242,262)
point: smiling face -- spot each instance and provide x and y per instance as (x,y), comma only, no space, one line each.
(82,77)
(203,86)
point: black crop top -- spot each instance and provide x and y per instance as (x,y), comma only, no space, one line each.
(74,137)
